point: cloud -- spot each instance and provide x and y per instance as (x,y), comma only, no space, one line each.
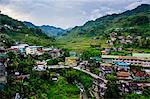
(64,13)
(95,14)
(135,4)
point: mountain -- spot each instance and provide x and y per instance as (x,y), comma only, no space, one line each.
(18,31)
(48,30)
(51,30)
(133,22)
(110,22)
(29,24)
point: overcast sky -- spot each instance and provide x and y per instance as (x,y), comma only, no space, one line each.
(64,13)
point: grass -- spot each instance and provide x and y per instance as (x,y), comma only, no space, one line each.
(79,44)
(62,90)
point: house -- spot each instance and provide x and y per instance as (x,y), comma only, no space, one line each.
(20,47)
(41,63)
(122,65)
(121,75)
(106,68)
(55,53)
(34,50)
(71,61)
(39,68)
(139,74)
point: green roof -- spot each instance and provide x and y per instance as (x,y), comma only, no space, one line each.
(109,56)
(141,54)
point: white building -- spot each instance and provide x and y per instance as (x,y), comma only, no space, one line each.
(37,50)
(20,47)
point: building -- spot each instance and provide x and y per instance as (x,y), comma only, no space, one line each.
(71,61)
(141,55)
(122,65)
(122,75)
(106,68)
(36,50)
(133,60)
(20,47)
(41,63)
(55,53)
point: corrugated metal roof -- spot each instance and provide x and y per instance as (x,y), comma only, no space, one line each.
(109,56)
(141,54)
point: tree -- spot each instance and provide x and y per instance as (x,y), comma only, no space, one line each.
(112,91)
(52,62)
(70,75)
(146,92)
(66,52)
(90,53)
(110,77)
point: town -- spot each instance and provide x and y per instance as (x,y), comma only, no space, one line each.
(131,73)
(74,49)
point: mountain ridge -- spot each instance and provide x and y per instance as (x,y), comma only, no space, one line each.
(104,21)
(47,29)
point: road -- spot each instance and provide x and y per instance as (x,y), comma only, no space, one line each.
(73,67)
(82,90)
(87,72)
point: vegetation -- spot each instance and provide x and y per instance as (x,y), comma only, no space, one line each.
(40,88)
(74,75)
(90,53)
(18,31)
(145,95)
(112,91)
(134,23)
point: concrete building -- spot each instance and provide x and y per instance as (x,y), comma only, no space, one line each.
(138,61)
(37,50)
(20,47)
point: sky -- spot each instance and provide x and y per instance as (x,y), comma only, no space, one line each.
(64,13)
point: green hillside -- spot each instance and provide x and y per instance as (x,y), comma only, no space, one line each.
(18,31)
(135,22)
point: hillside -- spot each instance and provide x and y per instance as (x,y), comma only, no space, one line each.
(135,22)
(48,30)
(18,31)
(51,30)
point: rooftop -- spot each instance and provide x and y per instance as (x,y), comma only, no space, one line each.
(122,74)
(106,65)
(121,63)
(141,54)
(35,46)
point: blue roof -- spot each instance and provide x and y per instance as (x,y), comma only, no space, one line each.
(35,46)
(121,63)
